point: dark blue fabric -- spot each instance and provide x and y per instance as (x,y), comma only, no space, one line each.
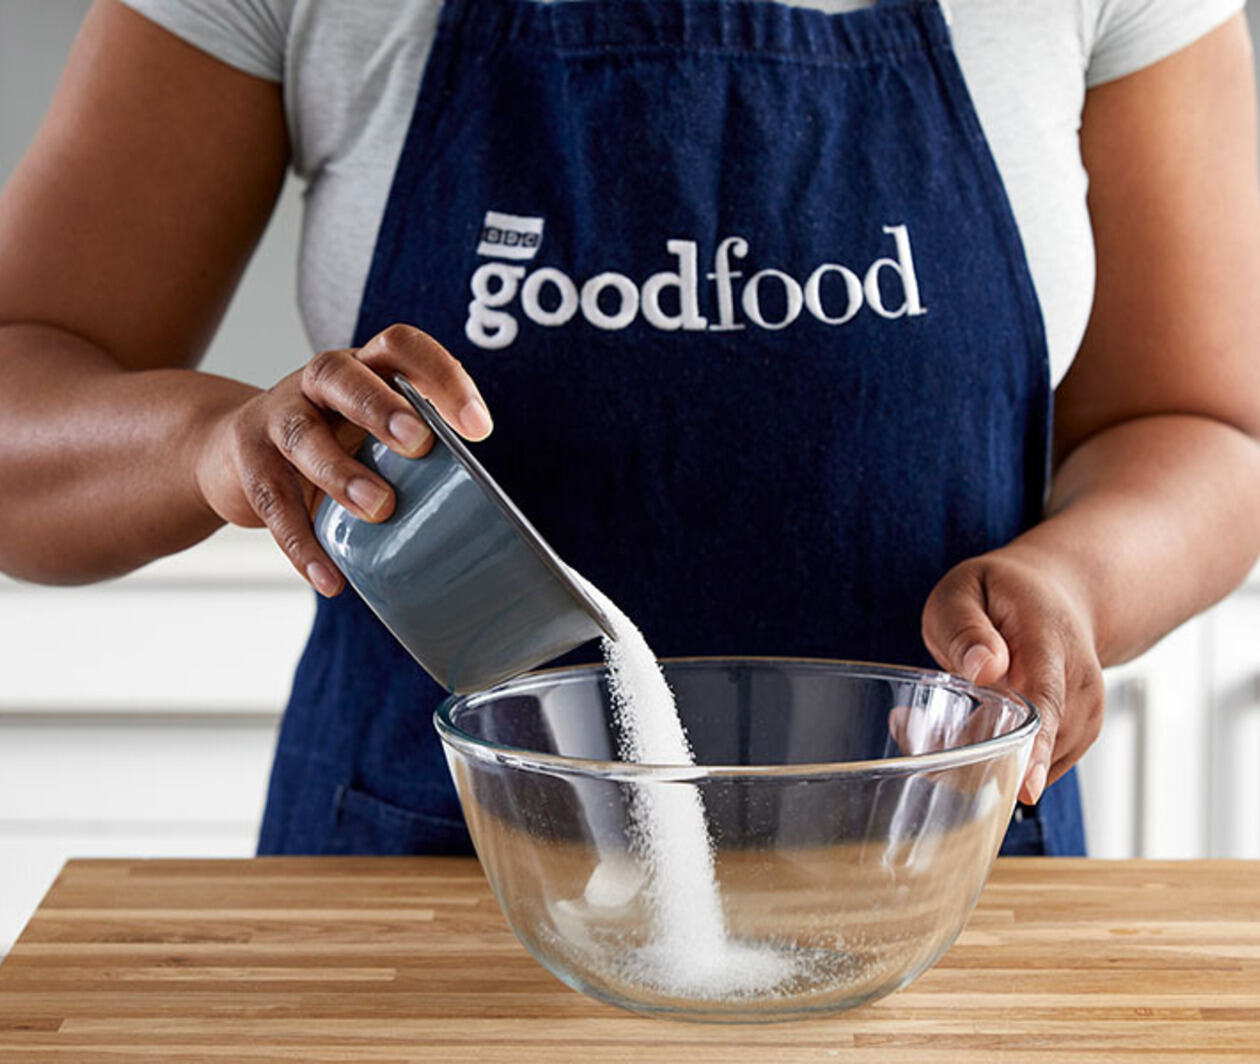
(736,486)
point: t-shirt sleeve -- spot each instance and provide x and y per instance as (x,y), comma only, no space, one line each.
(247,34)
(1132,34)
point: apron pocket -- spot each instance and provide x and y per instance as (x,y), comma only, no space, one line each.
(364,824)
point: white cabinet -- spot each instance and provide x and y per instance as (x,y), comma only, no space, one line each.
(1134,805)
(108,785)
(138,717)
(1233,794)
(1173,774)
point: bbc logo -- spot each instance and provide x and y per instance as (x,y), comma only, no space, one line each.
(510,236)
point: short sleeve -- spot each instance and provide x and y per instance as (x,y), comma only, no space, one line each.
(247,34)
(1132,34)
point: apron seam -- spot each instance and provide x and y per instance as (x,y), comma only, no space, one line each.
(792,58)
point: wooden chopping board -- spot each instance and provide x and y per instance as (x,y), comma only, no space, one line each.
(393,960)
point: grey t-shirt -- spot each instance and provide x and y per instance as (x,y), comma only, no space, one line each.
(351,68)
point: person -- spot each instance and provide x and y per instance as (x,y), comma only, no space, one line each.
(883,331)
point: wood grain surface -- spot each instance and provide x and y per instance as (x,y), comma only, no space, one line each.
(393,960)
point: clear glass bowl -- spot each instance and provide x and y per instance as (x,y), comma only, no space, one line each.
(853,814)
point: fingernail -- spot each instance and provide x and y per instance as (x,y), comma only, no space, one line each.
(321,576)
(367,495)
(974,660)
(409,431)
(474,419)
(1036,784)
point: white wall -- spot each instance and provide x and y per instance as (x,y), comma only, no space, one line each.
(165,750)
(261,338)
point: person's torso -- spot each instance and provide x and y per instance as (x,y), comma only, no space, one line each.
(749,301)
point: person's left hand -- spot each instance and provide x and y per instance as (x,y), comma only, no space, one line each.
(1008,618)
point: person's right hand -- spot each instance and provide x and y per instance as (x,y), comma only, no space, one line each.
(267,461)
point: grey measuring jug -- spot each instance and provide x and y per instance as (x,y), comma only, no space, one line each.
(457,573)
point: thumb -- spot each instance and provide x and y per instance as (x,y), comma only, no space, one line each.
(958,630)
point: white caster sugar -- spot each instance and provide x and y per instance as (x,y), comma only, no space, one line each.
(690,951)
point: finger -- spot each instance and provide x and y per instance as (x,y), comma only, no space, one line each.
(337,380)
(272,490)
(1037,671)
(899,727)
(435,372)
(1036,775)
(301,434)
(920,730)
(349,437)
(958,631)
(1084,713)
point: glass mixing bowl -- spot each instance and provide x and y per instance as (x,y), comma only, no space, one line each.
(853,813)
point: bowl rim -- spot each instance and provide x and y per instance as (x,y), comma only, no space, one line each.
(558,764)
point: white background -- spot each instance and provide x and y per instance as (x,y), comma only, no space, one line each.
(138,717)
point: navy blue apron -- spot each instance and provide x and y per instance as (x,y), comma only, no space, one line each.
(744,293)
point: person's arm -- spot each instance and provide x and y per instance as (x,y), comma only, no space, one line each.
(1154,511)
(123,234)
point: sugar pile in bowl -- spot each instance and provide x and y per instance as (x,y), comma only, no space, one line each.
(690,951)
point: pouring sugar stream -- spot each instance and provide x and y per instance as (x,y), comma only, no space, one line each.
(692,951)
